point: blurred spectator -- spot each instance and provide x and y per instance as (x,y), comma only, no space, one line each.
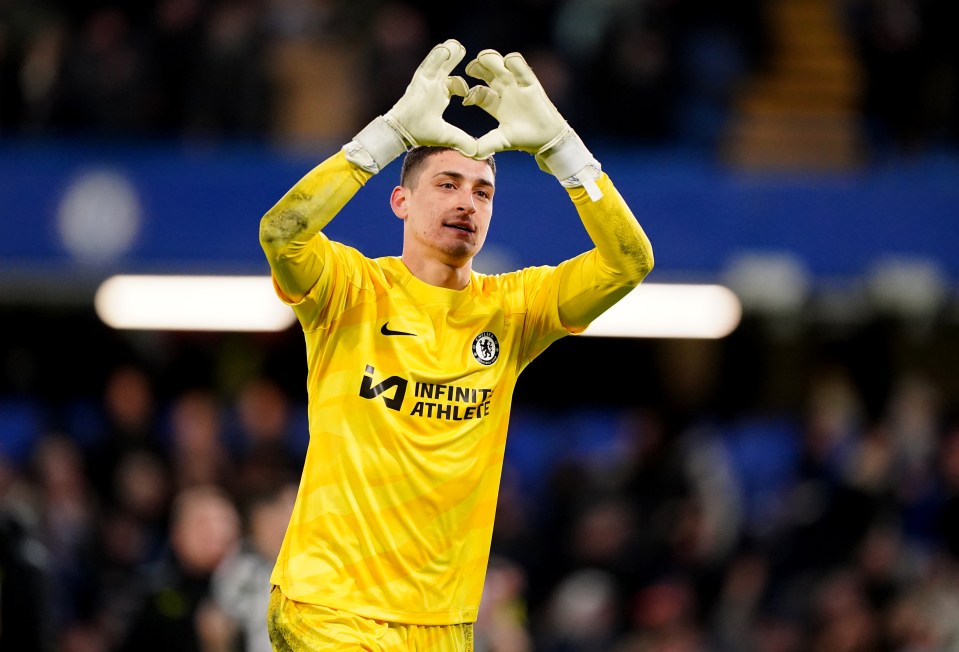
(230,96)
(911,59)
(241,583)
(26,604)
(265,457)
(947,519)
(173,48)
(842,619)
(398,36)
(603,536)
(198,452)
(884,564)
(175,612)
(501,625)
(634,75)
(132,535)
(582,614)
(68,521)
(33,36)
(826,513)
(665,619)
(101,85)
(716,48)
(129,408)
(925,614)
(914,418)
(739,605)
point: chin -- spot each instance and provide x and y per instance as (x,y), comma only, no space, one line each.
(460,254)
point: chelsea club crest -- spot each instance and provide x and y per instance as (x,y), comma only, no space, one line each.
(485,348)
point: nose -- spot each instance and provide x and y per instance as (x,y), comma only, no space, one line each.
(467,203)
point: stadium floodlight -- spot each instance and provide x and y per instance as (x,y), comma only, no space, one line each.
(671,310)
(195,303)
(248,303)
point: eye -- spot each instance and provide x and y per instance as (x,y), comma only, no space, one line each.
(483,193)
(449,185)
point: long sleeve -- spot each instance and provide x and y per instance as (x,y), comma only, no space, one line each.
(289,231)
(622,257)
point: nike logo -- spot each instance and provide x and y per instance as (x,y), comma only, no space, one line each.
(386,331)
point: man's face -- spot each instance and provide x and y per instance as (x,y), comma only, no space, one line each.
(447,209)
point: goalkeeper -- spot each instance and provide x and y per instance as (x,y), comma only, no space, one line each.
(412,359)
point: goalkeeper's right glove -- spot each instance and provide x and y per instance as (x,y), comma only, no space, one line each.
(528,121)
(417,118)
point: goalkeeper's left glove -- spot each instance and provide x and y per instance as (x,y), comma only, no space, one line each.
(528,121)
(417,118)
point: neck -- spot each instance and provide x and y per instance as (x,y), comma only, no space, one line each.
(440,274)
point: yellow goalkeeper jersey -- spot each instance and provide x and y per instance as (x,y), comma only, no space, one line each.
(409,388)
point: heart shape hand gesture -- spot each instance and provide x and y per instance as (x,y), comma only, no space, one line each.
(512,94)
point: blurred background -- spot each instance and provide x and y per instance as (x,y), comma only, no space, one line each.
(792,486)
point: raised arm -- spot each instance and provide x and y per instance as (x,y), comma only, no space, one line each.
(592,282)
(289,231)
(528,121)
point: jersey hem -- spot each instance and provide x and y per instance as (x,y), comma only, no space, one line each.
(402,617)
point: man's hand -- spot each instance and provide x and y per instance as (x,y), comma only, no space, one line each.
(528,121)
(418,115)
(417,118)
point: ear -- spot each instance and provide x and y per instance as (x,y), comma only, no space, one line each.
(398,202)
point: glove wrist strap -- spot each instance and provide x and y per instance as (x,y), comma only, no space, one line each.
(567,158)
(375,145)
(400,130)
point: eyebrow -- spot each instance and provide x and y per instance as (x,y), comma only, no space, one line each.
(459,176)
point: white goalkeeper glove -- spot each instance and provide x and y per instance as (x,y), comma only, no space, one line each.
(528,121)
(417,118)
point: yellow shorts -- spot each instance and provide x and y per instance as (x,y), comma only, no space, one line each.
(300,627)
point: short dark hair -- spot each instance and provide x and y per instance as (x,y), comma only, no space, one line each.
(416,157)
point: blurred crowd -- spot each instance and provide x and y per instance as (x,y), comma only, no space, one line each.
(627,71)
(144,519)
(156,530)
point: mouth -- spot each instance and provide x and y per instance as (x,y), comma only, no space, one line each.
(465,227)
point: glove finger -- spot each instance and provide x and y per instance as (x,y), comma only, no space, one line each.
(483,97)
(517,65)
(458,139)
(490,143)
(442,59)
(485,65)
(476,69)
(493,61)
(457,52)
(457,86)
